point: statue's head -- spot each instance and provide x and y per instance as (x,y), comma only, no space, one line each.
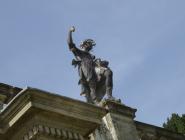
(87,44)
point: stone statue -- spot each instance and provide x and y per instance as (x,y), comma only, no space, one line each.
(95,75)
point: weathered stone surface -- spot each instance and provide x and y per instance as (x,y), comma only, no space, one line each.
(150,132)
(118,124)
(7,92)
(34,114)
(1,105)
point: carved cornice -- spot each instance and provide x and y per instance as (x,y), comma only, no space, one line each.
(76,115)
(47,131)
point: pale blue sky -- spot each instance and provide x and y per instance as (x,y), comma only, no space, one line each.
(143,40)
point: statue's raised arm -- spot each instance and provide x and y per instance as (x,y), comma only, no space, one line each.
(72,47)
(70,39)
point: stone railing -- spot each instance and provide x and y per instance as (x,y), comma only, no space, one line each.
(150,132)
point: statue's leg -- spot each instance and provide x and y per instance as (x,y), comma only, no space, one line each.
(84,88)
(109,83)
(88,98)
(92,87)
(82,82)
(85,91)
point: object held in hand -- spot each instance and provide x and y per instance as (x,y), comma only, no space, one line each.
(72,29)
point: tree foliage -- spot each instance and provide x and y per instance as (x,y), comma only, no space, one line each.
(175,123)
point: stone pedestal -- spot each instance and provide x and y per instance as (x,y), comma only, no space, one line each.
(118,124)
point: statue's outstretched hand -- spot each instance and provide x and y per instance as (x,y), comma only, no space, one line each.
(72,29)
